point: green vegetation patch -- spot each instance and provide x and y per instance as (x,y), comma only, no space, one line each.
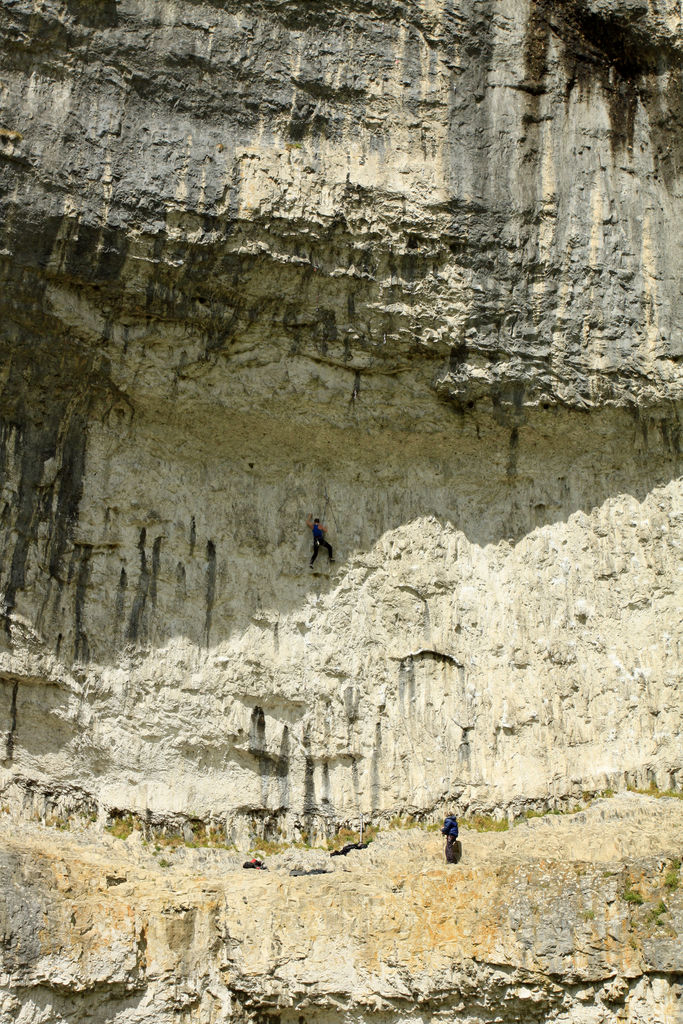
(655,913)
(630,895)
(652,790)
(399,822)
(122,827)
(486,823)
(672,879)
(269,846)
(348,835)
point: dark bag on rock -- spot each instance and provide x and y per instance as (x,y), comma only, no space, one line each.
(345,849)
(453,850)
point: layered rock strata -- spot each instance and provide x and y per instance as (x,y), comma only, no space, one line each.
(412,267)
(537,924)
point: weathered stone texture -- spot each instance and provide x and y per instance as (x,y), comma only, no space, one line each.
(411,266)
(414,267)
(532,925)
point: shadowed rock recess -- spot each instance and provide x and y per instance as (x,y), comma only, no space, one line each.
(413,266)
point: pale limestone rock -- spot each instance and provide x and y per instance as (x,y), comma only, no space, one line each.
(425,671)
(531,923)
(410,269)
(413,267)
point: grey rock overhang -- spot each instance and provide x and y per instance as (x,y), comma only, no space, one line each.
(488,191)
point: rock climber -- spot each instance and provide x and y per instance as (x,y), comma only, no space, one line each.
(450,831)
(319,532)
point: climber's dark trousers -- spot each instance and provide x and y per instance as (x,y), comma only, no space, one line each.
(316,545)
(453,850)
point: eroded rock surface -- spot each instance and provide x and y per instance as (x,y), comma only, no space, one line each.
(531,925)
(413,267)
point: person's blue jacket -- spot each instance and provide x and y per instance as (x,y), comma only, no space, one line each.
(450,827)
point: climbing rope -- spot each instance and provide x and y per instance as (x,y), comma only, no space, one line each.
(327,503)
(324,496)
(324,513)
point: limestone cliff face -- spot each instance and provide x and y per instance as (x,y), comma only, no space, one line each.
(413,267)
(532,925)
